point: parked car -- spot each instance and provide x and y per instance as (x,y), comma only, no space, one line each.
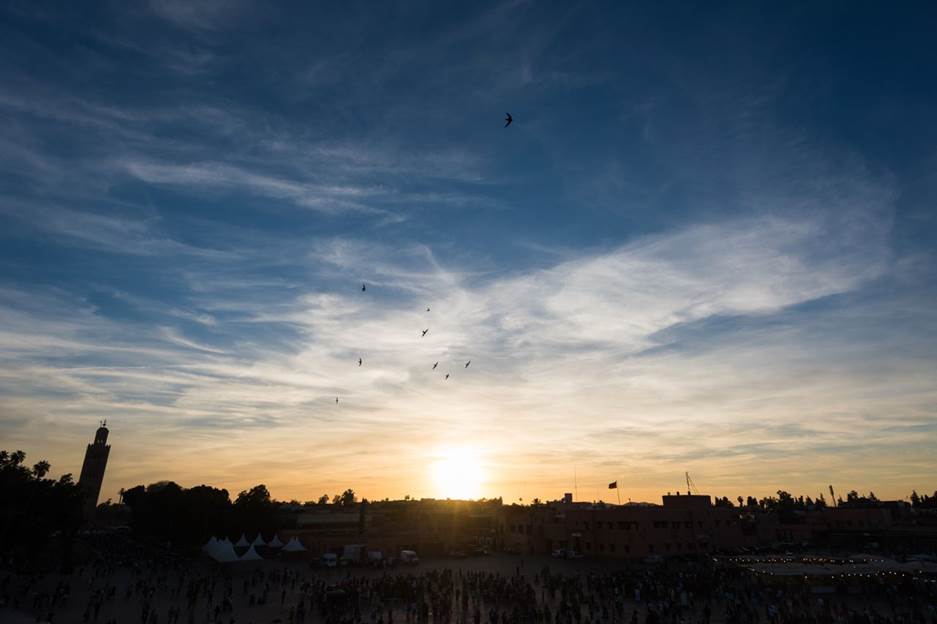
(330,560)
(408,557)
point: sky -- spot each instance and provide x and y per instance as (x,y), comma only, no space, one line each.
(704,245)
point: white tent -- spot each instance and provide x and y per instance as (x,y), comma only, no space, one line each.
(242,543)
(223,552)
(251,555)
(210,544)
(275,542)
(294,545)
(259,540)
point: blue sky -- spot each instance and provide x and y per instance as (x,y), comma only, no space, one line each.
(705,244)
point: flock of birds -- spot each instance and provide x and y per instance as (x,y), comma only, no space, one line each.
(364,288)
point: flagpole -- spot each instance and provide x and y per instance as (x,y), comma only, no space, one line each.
(618,492)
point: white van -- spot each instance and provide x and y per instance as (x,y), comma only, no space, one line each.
(408,557)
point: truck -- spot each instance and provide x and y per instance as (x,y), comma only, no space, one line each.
(352,554)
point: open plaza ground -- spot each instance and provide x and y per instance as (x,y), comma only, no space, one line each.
(494,589)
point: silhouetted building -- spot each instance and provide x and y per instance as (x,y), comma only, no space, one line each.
(430,527)
(683,525)
(92,470)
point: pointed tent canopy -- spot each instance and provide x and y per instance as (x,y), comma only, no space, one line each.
(242,543)
(275,542)
(223,553)
(294,545)
(251,555)
(259,540)
(210,544)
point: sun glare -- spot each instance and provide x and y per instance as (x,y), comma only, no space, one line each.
(458,473)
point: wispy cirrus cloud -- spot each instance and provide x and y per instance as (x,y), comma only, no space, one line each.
(549,346)
(672,260)
(326,198)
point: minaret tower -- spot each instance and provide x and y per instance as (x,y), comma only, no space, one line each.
(92,471)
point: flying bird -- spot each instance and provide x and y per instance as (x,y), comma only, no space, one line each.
(336,400)
(435,365)
(467,363)
(508,119)
(447,375)
(425,330)
(363,288)
(427,309)
(359,361)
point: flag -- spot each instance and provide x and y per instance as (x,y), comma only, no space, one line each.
(613,485)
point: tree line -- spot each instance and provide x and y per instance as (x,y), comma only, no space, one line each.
(36,508)
(786,501)
(187,517)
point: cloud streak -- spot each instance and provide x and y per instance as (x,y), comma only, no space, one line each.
(673,259)
(598,341)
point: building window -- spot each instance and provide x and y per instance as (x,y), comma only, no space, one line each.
(611,547)
(628,548)
(660,524)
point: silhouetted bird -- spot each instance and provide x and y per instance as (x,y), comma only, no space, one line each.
(508,119)
(359,361)
(427,309)
(447,375)
(467,363)
(363,288)
(424,331)
(435,365)
(336,400)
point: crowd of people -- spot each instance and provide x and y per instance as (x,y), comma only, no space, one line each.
(127,585)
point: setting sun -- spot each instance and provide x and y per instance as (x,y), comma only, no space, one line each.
(457,473)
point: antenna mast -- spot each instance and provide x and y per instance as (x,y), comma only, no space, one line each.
(690,486)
